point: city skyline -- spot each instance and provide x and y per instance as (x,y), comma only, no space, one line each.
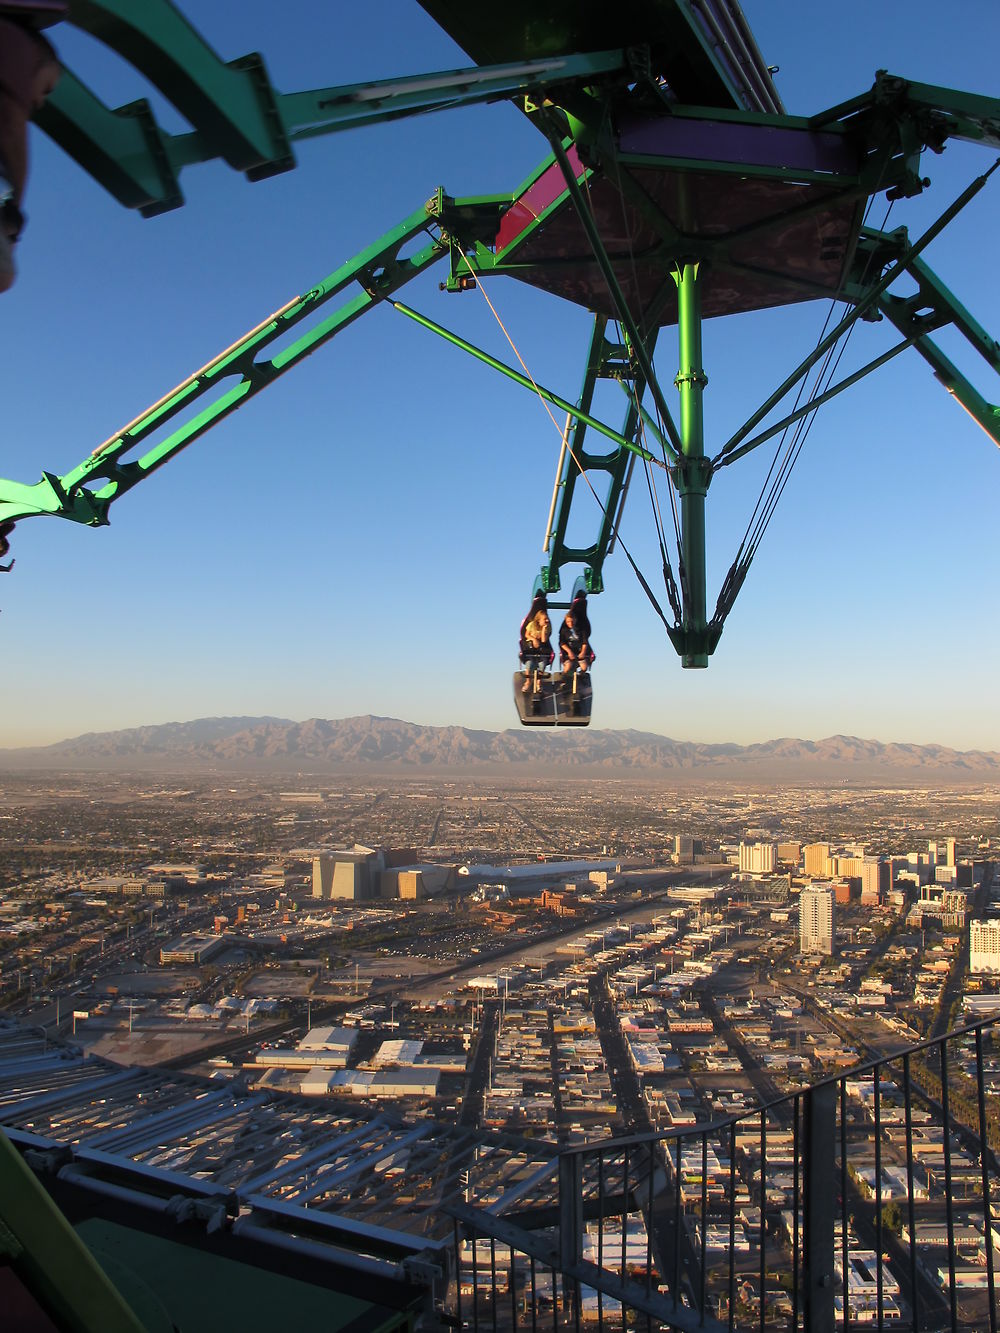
(329,998)
(363,538)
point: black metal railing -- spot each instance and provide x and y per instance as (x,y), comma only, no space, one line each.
(861,1202)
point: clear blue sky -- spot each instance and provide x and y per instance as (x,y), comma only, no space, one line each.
(363,536)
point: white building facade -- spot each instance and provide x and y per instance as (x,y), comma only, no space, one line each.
(758,858)
(984,946)
(816,913)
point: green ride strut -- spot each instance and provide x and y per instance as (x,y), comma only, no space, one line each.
(693,472)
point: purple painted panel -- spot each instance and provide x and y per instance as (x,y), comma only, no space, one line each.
(535,200)
(772,235)
(752,145)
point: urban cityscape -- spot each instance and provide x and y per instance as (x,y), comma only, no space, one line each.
(389,1026)
(511,972)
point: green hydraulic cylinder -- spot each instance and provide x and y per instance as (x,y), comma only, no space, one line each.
(693,471)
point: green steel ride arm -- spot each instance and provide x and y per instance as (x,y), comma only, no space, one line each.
(930,308)
(85,494)
(239,117)
(237,114)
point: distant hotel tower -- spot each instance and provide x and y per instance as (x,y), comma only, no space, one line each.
(817,859)
(984,946)
(816,920)
(758,858)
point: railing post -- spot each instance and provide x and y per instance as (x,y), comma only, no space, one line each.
(819,1202)
(570,1210)
(570,1229)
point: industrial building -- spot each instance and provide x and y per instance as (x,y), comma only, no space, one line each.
(195,949)
(132,887)
(366,873)
(338,1043)
(352,875)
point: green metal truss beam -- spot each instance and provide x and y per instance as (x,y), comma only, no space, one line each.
(930,308)
(448,227)
(606,360)
(236,113)
(865,296)
(942,113)
(85,493)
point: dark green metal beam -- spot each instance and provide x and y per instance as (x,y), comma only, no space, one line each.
(49,1257)
(942,113)
(547,394)
(628,322)
(125,151)
(605,361)
(864,301)
(233,105)
(237,114)
(85,493)
(327,110)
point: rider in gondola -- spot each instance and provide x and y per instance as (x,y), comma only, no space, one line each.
(535,647)
(575,652)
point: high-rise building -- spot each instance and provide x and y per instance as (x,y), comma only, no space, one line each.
(817,859)
(816,914)
(984,946)
(758,858)
(874,880)
(790,854)
(949,856)
(847,867)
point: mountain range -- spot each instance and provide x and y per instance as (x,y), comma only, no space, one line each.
(265,745)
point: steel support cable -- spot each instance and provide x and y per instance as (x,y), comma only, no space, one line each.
(825,374)
(623,337)
(569,449)
(767,500)
(798,397)
(860,307)
(803,427)
(669,581)
(792,452)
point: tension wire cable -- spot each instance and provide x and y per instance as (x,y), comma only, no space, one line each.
(569,449)
(767,500)
(669,581)
(616,174)
(825,374)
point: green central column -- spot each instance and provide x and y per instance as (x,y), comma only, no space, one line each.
(693,469)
